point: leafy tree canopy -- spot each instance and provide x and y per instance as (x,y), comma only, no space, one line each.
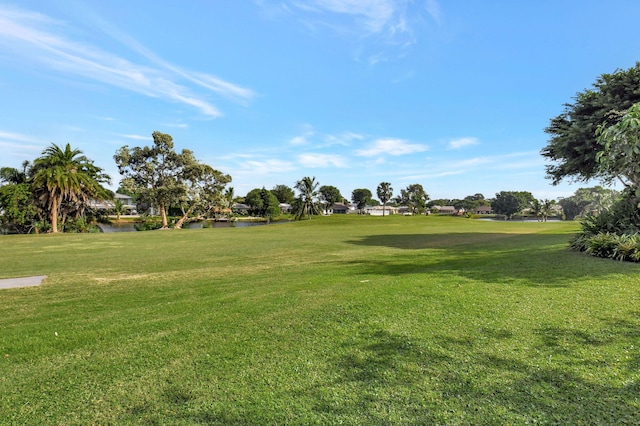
(509,203)
(620,154)
(284,194)
(263,203)
(155,172)
(361,197)
(573,145)
(330,195)
(588,201)
(415,197)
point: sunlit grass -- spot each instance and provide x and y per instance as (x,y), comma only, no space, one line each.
(352,320)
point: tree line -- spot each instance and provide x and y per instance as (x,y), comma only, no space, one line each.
(59,191)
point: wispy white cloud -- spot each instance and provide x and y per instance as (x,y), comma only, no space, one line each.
(375,14)
(268,166)
(317,160)
(392,22)
(393,147)
(19,145)
(463,142)
(138,137)
(37,38)
(433,8)
(344,139)
(16,137)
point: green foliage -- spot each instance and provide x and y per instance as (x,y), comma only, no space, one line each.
(361,197)
(19,208)
(148,223)
(588,201)
(384,192)
(270,205)
(330,195)
(414,197)
(156,172)
(284,194)
(307,203)
(509,203)
(66,181)
(573,145)
(625,247)
(620,154)
(612,233)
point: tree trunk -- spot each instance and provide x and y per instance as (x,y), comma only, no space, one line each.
(179,223)
(54,215)
(163,216)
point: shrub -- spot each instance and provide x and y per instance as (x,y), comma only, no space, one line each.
(148,223)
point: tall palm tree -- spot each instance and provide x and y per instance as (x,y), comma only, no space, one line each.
(547,208)
(307,204)
(385,192)
(64,175)
(536,209)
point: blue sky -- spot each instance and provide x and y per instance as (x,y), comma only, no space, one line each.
(452,94)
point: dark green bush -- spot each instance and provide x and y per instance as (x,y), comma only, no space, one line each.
(613,233)
(148,223)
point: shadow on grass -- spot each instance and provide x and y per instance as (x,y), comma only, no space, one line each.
(459,381)
(542,260)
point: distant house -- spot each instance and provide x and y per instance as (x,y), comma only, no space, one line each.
(377,210)
(126,200)
(403,210)
(240,208)
(339,208)
(483,210)
(446,209)
(286,208)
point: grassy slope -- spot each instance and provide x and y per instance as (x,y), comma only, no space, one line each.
(358,320)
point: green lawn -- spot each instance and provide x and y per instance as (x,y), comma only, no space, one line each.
(341,320)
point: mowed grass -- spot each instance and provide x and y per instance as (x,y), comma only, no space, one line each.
(340,320)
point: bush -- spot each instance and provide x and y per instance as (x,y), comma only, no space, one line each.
(625,247)
(148,224)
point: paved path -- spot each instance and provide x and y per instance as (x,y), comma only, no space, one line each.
(22,282)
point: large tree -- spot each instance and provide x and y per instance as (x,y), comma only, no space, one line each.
(284,194)
(66,176)
(385,192)
(573,145)
(330,195)
(588,201)
(414,197)
(509,203)
(361,197)
(204,188)
(307,202)
(254,201)
(154,172)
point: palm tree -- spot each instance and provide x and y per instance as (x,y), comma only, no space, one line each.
(307,200)
(536,209)
(15,176)
(547,208)
(64,175)
(385,192)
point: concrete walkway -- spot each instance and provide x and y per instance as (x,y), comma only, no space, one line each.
(22,282)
